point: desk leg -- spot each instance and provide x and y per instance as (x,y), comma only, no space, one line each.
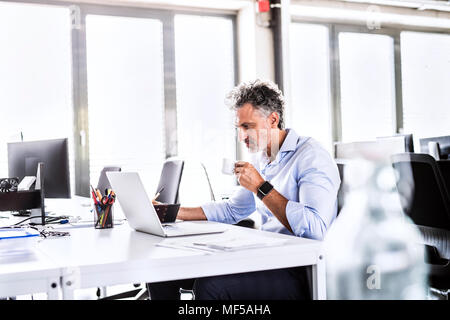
(67,290)
(319,279)
(70,281)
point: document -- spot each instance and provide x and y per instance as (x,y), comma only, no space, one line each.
(224,243)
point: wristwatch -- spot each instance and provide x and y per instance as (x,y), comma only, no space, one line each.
(264,189)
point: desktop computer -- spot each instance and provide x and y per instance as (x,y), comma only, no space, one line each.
(52,158)
(23,159)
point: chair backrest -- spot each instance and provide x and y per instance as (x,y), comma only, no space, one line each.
(434,150)
(103,182)
(211,192)
(444,145)
(422,191)
(170,180)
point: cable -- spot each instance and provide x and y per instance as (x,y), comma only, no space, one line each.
(47,220)
(16,224)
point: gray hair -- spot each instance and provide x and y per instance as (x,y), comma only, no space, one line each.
(262,95)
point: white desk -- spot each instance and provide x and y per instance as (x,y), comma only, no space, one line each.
(25,273)
(96,258)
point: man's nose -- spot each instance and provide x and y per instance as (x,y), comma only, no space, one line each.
(242,134)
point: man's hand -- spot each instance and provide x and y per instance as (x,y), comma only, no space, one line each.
(248,176)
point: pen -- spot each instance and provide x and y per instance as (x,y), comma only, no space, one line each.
(106,216)
(99,195)
(212,246)
(157,194)
(94,196)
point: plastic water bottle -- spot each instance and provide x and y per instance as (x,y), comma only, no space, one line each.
(372,250)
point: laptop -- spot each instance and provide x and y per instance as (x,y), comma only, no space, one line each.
(141,214)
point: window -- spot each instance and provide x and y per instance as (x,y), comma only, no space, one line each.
(138,65)
(204,56)
(425,84)
(125,96)
(310,78)
(367,81)
(35,76)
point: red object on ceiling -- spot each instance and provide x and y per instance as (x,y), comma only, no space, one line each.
(263,5)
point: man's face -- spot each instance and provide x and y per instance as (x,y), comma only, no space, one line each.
(254,127)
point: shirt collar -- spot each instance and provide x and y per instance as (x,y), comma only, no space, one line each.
(290,142)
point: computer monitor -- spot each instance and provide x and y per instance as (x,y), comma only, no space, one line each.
(444,145)
(23,159)
(378,150)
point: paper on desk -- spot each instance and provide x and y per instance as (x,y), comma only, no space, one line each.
(227,243)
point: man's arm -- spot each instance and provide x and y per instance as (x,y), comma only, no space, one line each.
(277,203)
(250,179)
(186,213)
(311,216)
(239,206)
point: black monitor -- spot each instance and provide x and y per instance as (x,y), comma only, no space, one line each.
(444,145)
(23,159)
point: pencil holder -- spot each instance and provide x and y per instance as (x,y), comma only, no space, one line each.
(103,216)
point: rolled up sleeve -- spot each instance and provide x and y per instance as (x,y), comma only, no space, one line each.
(304,221)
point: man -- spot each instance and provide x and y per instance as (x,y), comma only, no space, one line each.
(292,183)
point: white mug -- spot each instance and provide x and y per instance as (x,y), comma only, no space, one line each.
(227,166)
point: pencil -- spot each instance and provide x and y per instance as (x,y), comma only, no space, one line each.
(106,216)
(99,195)
(157,194)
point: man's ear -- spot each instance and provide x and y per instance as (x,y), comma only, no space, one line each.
(274,119)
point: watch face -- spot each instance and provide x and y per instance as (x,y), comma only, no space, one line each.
(266,187)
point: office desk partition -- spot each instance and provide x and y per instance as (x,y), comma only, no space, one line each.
(90,258)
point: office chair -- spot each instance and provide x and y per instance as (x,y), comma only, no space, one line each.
(425,199)
(103,182)
(170,180)
(434,150)
(424,194)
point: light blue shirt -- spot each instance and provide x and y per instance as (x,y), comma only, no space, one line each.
(305,174)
